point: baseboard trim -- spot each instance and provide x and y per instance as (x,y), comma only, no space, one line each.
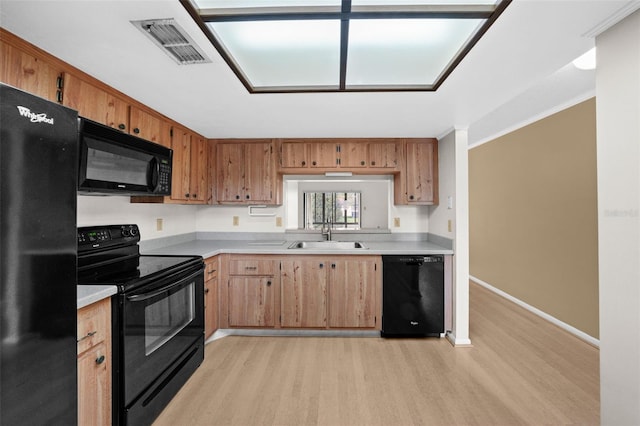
(458,343)
(579,334)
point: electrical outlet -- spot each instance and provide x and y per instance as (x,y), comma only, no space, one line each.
(278,221)
(236,220)
(159,224)
(396,222)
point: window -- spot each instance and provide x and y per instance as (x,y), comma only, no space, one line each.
(279,46)
(341,210)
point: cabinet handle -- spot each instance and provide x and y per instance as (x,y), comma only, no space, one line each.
(59,96)
(313,163)
(206,291)
(304,163)
(90,334)
(136,130)
(186,195)
(333,266)
(59,82)
(250,268)
(373,163)
(247,196)
(321,265)
(268,283)
(121,126)
(194,195)
(237,197)
(100,359)
(362,163)
(411,197)
(213,271)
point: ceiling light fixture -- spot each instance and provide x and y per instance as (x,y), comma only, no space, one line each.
(283,46)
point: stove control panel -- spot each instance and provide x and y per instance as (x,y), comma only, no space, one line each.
(97,237)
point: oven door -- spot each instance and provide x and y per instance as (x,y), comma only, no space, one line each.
(160,322)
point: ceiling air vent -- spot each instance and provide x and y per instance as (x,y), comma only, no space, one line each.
(167,34)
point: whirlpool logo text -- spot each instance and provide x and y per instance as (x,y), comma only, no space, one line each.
(33,117)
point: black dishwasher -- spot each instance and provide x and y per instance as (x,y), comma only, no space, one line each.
(412,296)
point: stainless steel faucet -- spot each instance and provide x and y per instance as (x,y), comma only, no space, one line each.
(326,231)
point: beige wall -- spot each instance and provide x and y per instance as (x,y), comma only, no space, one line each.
(533,215)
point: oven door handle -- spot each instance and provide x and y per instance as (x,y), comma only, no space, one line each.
(144,296)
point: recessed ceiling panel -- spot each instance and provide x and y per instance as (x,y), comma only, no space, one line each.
(281,54)
(404,52)
(232,4)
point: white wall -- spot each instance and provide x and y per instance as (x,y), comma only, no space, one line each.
(618,138)
(454,182)
(109,210)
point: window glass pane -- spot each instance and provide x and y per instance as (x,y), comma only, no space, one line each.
(284,53)
(404,51)
(224,4)
(340,210)
(167,317)
(355,3)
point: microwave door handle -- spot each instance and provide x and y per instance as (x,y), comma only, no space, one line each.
(154,172)
(145,296)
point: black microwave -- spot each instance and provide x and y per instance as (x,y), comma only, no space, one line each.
(116,163)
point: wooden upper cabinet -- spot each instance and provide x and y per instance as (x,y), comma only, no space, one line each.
(419,183)
(95,103)
(189,174)
(294,154)
(28,72)
(323,154)
(384,154)
(245,172)
(353,154)
(149,126)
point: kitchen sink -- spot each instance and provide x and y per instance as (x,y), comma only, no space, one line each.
(328,245)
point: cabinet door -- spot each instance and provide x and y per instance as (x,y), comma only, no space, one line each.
(230,172)
(353,154)
(94,386)
(148,126)
(294,154)
(323,154)
(352,295)
(258,172)
(422,172)
(28,72)
(181,172)
(198,172)
(210,296)
(383,155)
(251,301)
(95,103)
(303,293)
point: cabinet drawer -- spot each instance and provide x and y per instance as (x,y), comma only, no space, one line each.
(210,269)
(251,267)
(93,325)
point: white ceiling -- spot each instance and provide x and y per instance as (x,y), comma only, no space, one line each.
(519,69)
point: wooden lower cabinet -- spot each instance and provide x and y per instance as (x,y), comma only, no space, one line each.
(210,296)
(302,291)
(303,287)
(94,364)
(353,285)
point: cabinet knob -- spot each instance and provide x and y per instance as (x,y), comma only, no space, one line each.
(206,291)
(333,266)
(186,195)
(362,163)
(136,130)
(100,359)
(313,163)
(321,265)
(268,283)
(194,195)
(373,163)
(411,197)
(247,196)
(237,197)
(304,163)
(121,126)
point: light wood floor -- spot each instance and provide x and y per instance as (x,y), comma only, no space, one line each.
(520,370)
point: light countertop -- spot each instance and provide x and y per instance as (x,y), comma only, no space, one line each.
(88,294)
(208,248)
